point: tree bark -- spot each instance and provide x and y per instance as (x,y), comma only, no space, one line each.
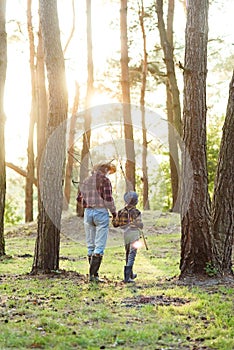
(173,154)
(146,205)
(46,256)
(128,128)
(196,240)
(223,201)
(3,67)
(174,118)
(72,29)
(20,171)
(42,105)
(166,39)
(70,156)
(30,149)
(85,153)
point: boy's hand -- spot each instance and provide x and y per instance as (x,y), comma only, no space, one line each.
(115,221)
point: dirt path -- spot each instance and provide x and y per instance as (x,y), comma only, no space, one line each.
(73,228)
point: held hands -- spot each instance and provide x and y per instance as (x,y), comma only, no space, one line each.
(115,220)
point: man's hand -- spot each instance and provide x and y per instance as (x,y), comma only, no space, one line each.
(115,220)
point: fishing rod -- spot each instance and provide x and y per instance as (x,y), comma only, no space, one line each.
(77,160)
(144,240)
(119,159)
(72,155)
(88,147)
(126,180)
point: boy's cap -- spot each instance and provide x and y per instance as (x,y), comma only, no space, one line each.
(131,197)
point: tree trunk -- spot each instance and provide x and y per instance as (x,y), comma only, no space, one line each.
(20,171)
(30,150)
(42,105)
(167,45)
(3,67)
(46,257)
(128,128)
(146,205)
(173,154)
(166,38)
(223,201)
(70,156)
(85,154)
(72,29)
(196,240)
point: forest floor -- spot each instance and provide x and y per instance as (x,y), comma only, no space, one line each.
(64,311)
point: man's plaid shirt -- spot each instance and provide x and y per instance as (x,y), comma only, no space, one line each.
(96,192)
(129,217)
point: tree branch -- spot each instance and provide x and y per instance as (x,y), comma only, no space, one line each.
(20,171)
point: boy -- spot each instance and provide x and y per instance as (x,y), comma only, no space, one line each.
(129,220)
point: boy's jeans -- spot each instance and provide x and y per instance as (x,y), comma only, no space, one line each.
(96,224)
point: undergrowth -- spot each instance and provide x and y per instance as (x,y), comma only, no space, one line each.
(64,311)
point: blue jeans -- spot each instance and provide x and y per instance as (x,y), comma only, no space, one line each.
(131,253)
(96,225)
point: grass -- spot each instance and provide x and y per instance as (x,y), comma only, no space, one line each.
(64,311)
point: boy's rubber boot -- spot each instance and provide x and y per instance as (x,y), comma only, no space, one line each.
(127,274)
(95,263)
(133,275)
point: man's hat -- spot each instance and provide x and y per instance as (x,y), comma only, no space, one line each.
(105,167)
(112,168)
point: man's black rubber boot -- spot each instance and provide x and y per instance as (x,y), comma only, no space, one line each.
(89,258)
(95,263)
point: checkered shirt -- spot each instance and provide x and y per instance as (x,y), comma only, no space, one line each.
(128,218)
(96,192)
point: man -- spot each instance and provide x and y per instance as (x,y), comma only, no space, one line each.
(96,197)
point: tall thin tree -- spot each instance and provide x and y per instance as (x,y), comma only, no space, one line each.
(223,201)
(46,256)
(85,153)
(166,38)
(196,240)
(30,149)
(89,92)
(128,127)
(70,156)
(142,14)
(3,67)
(71,137)
(173,97)
(42,101)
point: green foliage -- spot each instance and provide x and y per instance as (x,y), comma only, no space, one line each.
(210,269)
(214,133)
(15,196)
(10,215)
(161,198)
(161,191)
(64,311)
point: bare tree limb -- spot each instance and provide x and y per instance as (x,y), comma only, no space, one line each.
(73,28)
(19,171)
